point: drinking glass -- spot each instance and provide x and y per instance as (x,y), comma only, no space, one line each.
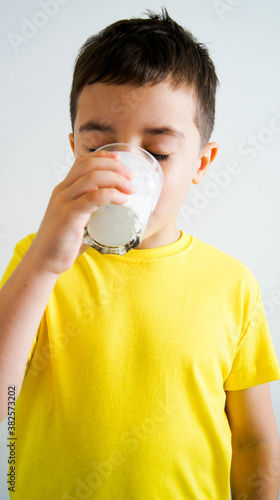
(115,228)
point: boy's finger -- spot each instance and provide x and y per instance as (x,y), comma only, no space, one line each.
(94,154)
(103,162)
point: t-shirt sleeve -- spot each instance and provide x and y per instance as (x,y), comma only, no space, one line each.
(19,251)
(255,361)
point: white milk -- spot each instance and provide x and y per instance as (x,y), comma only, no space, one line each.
(116,225)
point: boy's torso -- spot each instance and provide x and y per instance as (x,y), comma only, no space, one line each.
(124,392)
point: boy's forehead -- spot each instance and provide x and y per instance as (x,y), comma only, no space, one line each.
(139,94)
(158,102)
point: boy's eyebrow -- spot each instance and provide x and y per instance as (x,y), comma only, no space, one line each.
(94,125)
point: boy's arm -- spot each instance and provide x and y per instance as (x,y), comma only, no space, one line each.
(23,299)
(255,468)
(95,179)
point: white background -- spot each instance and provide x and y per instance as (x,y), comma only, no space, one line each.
(241,218)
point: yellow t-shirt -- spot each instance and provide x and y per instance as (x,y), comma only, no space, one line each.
(124,391)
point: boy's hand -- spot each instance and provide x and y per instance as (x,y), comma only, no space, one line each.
(95,180)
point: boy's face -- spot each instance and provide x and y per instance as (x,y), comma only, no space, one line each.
(129,111)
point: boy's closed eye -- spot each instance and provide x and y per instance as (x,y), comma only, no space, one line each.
(158,157)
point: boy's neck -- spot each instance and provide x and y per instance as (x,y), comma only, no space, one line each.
(165,236)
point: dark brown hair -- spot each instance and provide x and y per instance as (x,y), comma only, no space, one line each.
(148,51)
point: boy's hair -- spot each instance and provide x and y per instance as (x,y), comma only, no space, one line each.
(148,51)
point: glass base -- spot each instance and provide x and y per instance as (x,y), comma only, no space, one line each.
(120,250)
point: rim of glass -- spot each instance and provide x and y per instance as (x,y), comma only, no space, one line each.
(112,144)
(149,156)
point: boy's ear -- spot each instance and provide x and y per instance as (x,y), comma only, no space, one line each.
(71,140)
(208,154)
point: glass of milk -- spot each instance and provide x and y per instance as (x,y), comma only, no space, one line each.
(119,228)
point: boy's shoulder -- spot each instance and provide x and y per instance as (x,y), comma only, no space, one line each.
(207,255)
(227,266)
(26,241)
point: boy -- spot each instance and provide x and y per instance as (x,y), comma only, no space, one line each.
(148,375)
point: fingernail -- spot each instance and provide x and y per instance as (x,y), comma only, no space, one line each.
(123,196)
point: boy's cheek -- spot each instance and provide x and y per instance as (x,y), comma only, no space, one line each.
(175,188)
